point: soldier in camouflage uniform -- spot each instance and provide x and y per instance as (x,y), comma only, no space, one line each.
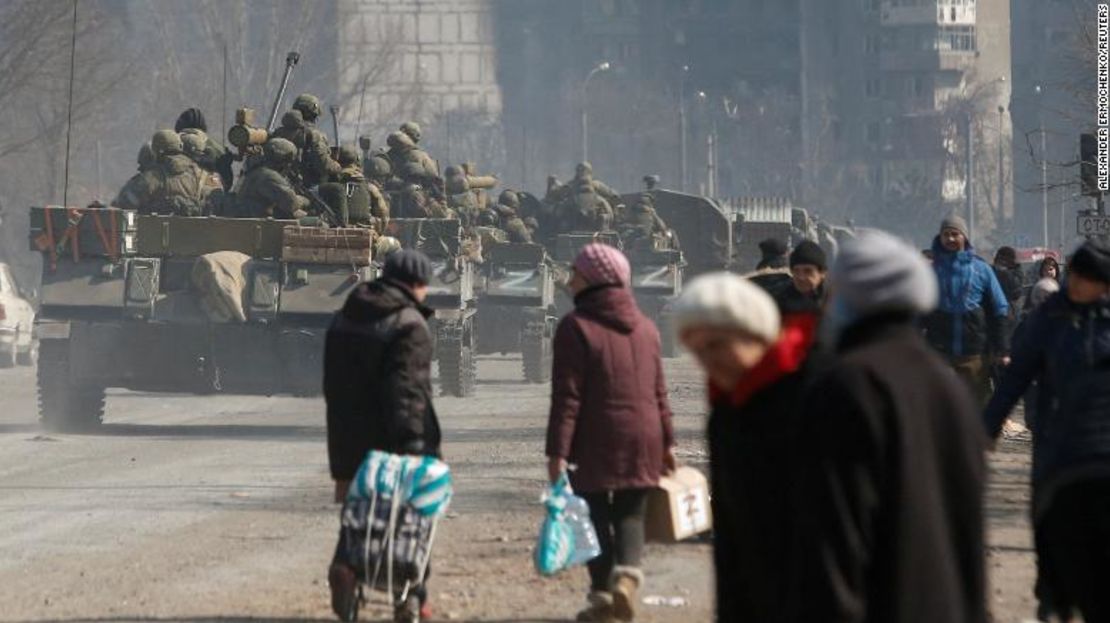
(508,208)
(459,196)
(414,203)
(265,190)
(377,168)
(216,158)
(195,143)
(174,185)
(365,203)
(642,222)
(584,203)
(583,179)
(412,130)
(315,164)
(131,189)
(412,164)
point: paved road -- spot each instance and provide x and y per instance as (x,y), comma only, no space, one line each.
(218,508)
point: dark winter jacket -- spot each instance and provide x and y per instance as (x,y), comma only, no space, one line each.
(890,497)
(753,437)
(971,318)
(377,378)
(1013,285)
(1065,348)
(790,301)
(609,410)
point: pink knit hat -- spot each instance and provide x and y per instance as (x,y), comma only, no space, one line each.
(600,264)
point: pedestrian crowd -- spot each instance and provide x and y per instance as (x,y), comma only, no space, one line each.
(851,404)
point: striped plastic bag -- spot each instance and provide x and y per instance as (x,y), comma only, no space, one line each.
(567,537)
(422,481)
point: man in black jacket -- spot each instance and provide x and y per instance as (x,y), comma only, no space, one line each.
(377,382)
(889,498)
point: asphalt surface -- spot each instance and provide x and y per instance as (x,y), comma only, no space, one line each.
(219,509)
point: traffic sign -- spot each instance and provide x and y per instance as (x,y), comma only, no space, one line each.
(1093,225)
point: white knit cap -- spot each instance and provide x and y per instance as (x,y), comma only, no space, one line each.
(726,301)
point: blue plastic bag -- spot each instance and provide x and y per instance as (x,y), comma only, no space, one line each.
(567,536)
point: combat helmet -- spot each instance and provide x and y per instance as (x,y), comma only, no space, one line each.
(292,120)
(583,169)
(193,142)
(452,171)
(379,167)
(348,156)
(165,143)
(279,151)
(509,198)
(399,141)
(412,129)
(309,105)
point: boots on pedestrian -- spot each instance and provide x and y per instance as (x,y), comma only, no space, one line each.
(625,583)
(600,609)
(407,611)
(344,592)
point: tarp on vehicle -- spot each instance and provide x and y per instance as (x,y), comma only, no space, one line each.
(220,280)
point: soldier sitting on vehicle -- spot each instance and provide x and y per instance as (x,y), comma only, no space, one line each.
(146,162)
(642,223)
(508,208)
(586,211)
(583,179)
(315,164)
(194,142)
(353,188)
(415,203)
(459,196)
(265,191)
(174,185)
(216,158)
(412,164)
(412,130)
(376,166)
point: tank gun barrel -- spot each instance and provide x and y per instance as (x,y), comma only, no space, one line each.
(290,62)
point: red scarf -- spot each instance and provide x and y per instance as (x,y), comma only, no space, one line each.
(785,357)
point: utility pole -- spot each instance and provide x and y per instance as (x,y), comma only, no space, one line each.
(969,176)
(1001,163)
(1044,183)
(682,125)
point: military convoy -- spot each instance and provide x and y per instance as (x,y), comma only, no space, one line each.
(187,300)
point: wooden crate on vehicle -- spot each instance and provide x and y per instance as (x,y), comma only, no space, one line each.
(314,245)
(63,232)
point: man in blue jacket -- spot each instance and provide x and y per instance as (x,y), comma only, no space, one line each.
(1065,348)
(970,326)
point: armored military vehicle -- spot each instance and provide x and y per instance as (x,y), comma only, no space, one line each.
(451,294)
(518,303)
(183,304)
(701,225)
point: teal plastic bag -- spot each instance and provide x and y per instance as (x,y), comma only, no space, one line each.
(567,537)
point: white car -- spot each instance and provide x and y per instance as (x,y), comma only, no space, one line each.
(17,324)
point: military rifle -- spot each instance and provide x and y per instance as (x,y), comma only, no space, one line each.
(326,213)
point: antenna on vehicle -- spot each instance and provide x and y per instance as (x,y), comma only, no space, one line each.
(290,62)
(69,112)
